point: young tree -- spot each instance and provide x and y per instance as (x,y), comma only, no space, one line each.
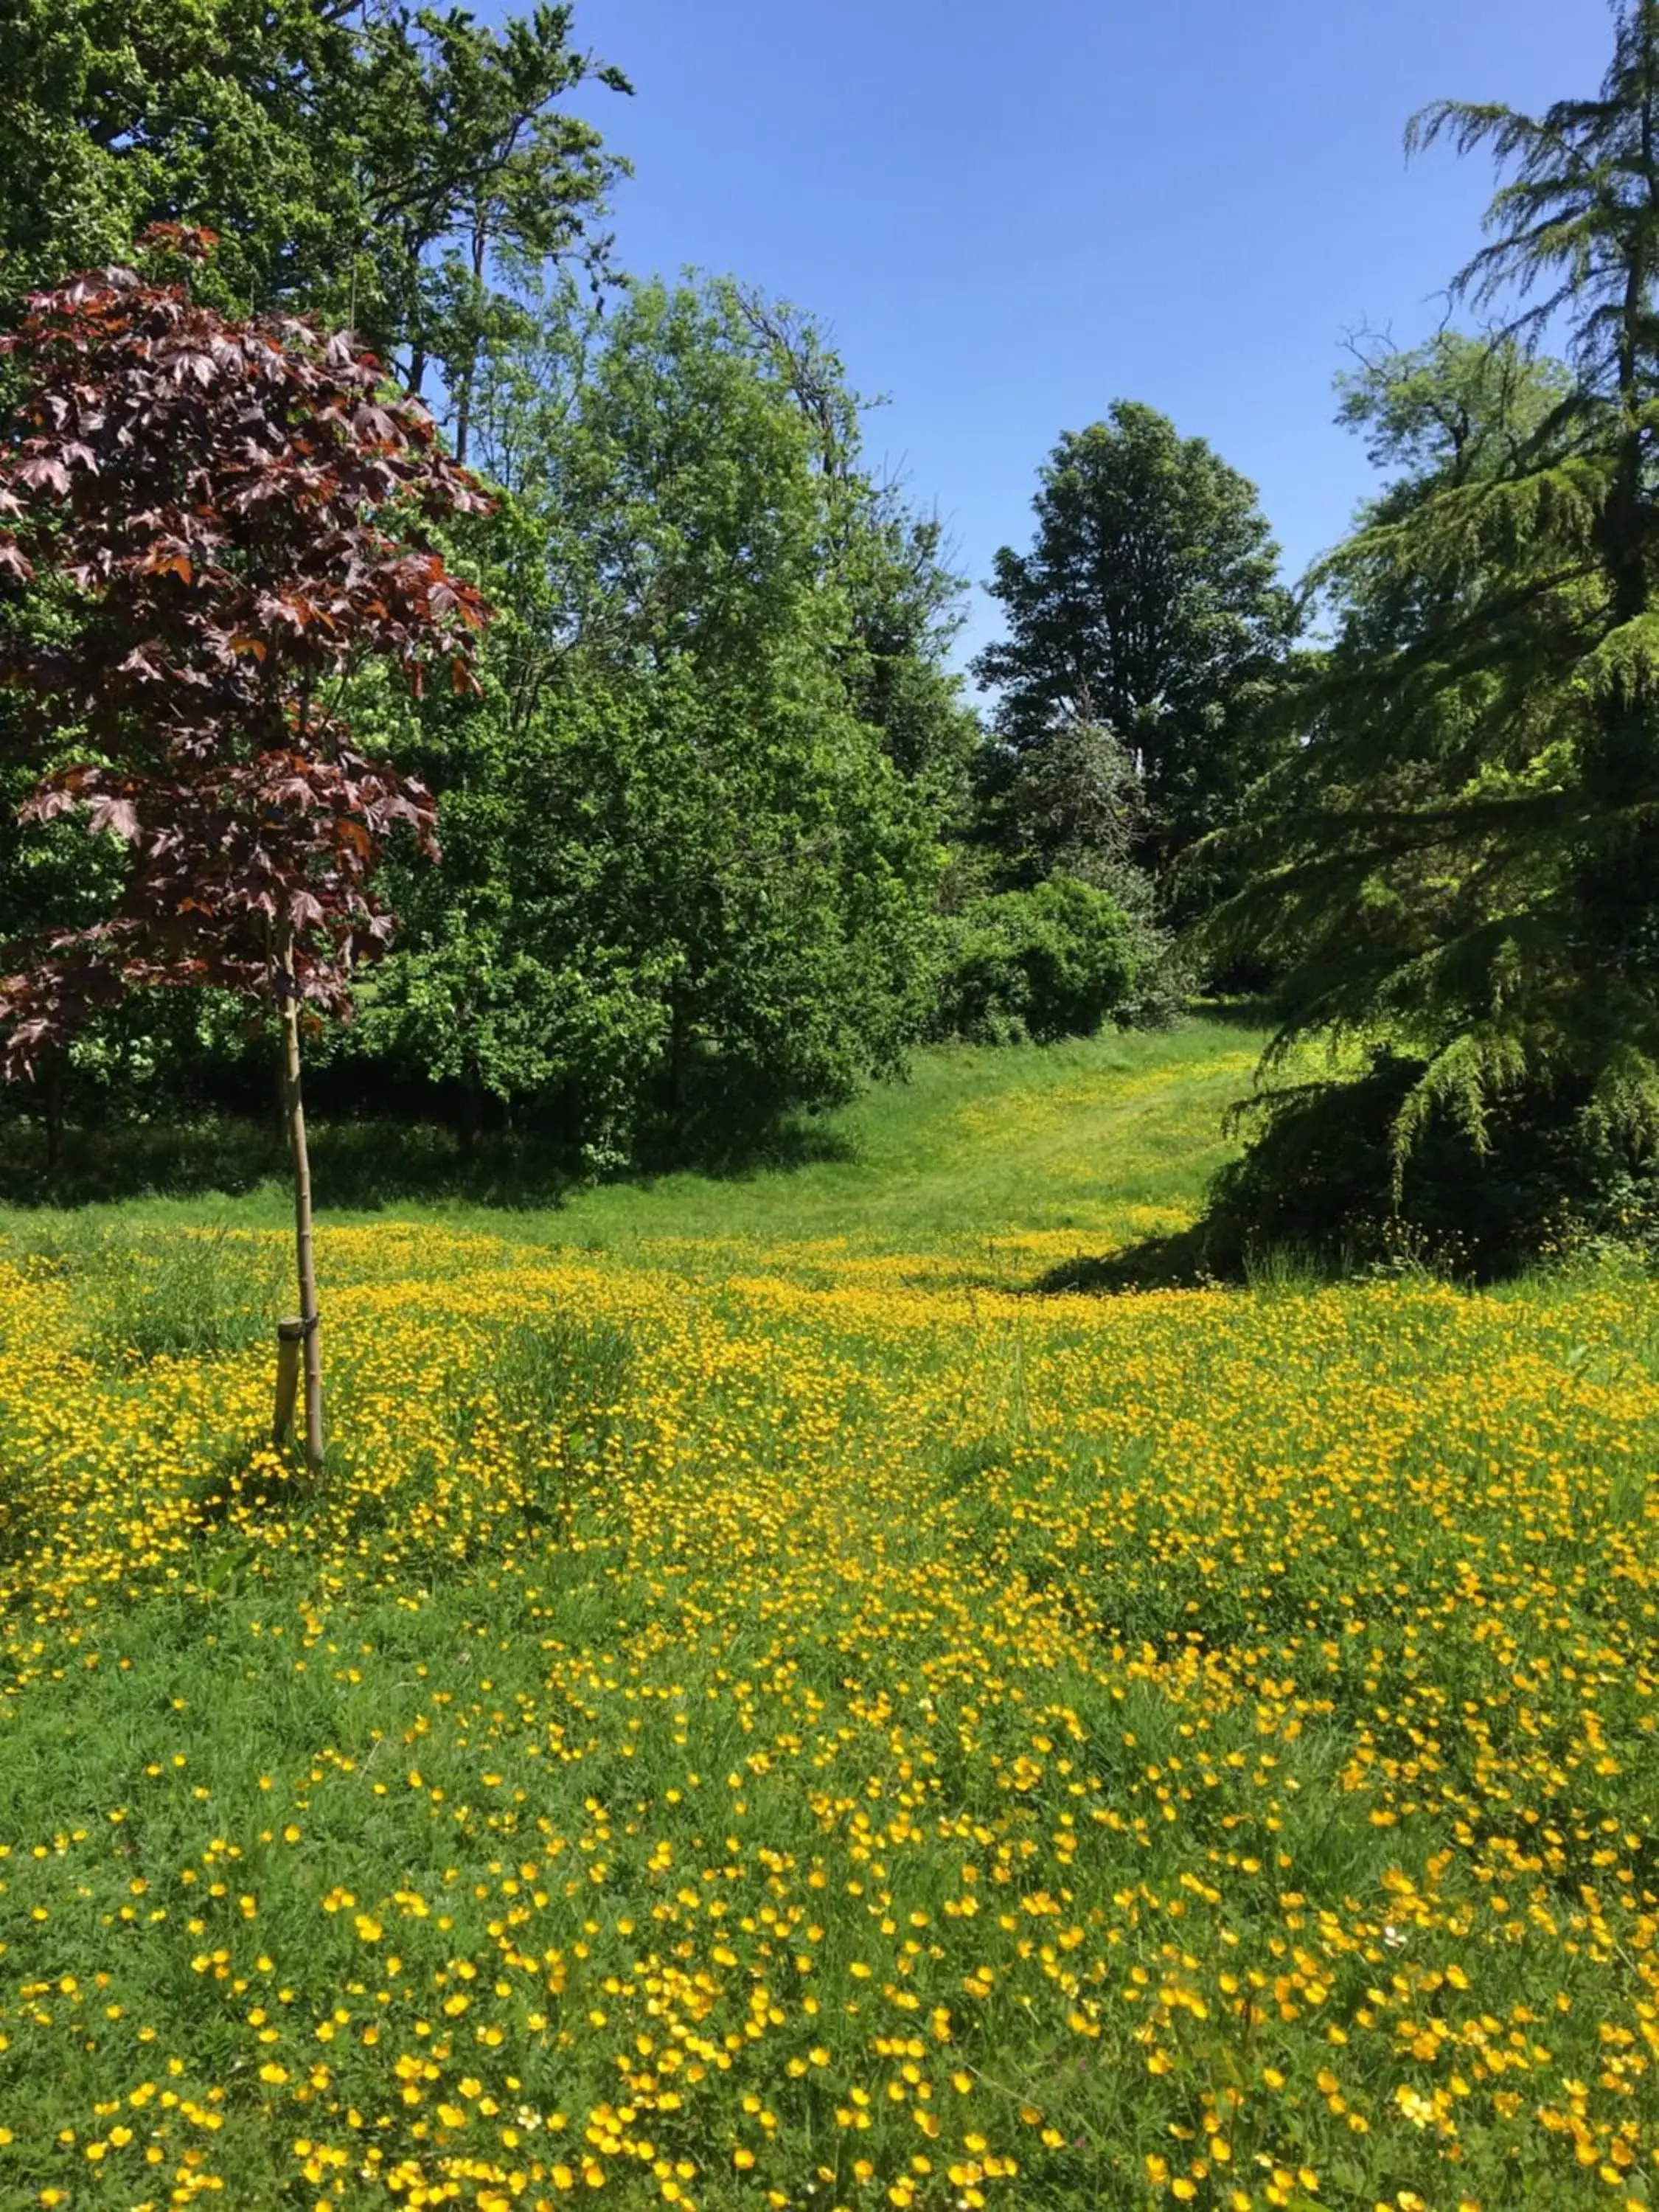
(1148,605)
(229,518)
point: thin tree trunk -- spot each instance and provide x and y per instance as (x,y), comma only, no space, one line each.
(464,408)
(294,1112)
(54,1103)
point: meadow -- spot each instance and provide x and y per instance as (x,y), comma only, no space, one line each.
(777,1701)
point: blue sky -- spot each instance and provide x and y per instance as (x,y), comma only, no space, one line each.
(1009,217)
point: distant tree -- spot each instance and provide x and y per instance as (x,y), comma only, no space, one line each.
(1463,408)
(1075,808)
(1148,605)
(903,602)
(227,520)
(467,169)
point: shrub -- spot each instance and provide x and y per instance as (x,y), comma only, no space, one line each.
(1048,963)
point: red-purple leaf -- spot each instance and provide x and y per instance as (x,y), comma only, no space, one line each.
(263,467)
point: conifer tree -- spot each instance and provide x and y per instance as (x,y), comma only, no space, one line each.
(1462,860)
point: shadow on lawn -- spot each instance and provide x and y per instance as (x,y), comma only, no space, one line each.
(362,1166)
(1172,1262)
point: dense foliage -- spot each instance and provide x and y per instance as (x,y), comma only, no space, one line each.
(692,824)
(1458,867)
(720,837)
(387,166)
(228,521)
(1149,609)
(1052,962)
(688,884)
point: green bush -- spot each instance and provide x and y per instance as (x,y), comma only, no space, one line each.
(1316,1183)
(1052,962)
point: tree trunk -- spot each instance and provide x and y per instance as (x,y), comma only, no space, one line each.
(294,1112)
(54,1107)
(463,409)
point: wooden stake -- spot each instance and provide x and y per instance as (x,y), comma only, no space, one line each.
(289,1336)
(305,1255)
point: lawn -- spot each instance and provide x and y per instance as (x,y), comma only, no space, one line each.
(768,1707)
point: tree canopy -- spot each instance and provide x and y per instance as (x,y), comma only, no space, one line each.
(691,832)
(1149,606)
(1458,867)
(386,166)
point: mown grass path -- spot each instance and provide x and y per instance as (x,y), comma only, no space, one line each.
(765,1710)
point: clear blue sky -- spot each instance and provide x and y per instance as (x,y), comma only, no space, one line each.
(1010,216)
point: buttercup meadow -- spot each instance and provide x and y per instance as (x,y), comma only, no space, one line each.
(746,1720)
(828,1167)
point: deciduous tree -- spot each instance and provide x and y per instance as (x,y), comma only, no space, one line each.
(1149,605)
(230,519)
(690,841)
(381,164)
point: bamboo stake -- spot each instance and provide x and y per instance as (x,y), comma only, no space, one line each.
(304,1251)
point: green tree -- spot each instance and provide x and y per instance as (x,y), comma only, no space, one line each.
(904,602)
(116,114)
(1462,867)
(1052,962)
(1461,409)
(1149,605)
(687,887)
(379,162)
(469,173)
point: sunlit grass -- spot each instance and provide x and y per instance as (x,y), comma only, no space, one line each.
(756,1714)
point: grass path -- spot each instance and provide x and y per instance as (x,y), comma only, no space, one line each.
(1000,1162)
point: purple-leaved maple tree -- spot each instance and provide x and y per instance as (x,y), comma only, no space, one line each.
(237,512)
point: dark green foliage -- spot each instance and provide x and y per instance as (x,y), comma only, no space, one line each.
(1320,1183)
(1148,607)
(1073,807)
(1052,962)
(1463,858)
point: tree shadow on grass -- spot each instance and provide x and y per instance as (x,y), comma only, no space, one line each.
(1176,1261)
(733,1152)
(355,1164)
(1237,1010)
(363,1166)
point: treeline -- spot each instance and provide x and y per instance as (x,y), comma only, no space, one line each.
(722,832)
(721,835)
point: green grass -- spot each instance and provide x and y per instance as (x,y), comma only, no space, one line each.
(1124,1716)
(1091,1145)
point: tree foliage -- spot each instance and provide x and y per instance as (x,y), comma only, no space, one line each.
(1148,606)
(229,516)
(691,830)
(1460,864)
(1036,965)
(383,165)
